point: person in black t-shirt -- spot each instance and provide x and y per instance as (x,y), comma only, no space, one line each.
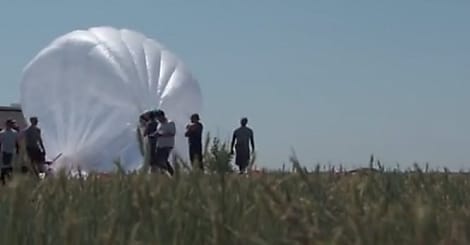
(242,139)
(34,146)
(194,135)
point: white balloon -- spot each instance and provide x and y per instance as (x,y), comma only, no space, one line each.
(89,87)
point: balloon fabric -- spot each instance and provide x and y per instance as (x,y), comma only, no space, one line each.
(88,88)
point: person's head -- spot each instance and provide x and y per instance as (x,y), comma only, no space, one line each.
(152,115)
(160,116)
(14,125)
(9,123)
(142,119)
(195,118)
(33,121)
(244,121)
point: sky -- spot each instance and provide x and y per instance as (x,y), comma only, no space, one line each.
(335,81)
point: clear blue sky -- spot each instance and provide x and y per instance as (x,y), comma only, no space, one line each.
(334,80)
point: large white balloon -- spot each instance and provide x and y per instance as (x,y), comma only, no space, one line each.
(89,87)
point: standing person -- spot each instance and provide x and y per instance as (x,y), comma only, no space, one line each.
(241,139)
(34,145)
(194,135)
(9,144)
(150,133)
(165,133)
(20,152)
(16,128)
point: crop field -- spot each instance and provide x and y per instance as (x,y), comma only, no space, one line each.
(315,207)
(271,208)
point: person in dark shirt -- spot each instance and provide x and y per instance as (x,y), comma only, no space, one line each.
(150,129)
(194,135)
(34,145)
(242,139)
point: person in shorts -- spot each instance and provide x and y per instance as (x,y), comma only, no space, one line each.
(8,147)
(242,139)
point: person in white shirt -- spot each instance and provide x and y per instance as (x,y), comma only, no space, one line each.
(166,131)
(8,146)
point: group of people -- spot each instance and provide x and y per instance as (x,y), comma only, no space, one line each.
(157,128)
(12,138)
(160,133)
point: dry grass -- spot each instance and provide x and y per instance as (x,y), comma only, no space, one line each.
(363,207)
(276,208)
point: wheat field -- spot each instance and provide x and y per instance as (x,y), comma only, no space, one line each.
(272,208)
(305,207)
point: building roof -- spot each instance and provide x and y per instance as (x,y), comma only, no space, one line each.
(12,112)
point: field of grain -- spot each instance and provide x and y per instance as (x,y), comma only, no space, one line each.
(276,208)
(305,207)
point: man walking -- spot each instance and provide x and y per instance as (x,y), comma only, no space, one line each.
(9,145)
(194,135)
(34,146)
(165,133)
(242,139)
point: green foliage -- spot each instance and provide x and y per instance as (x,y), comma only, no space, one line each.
(366,206)
(217,156)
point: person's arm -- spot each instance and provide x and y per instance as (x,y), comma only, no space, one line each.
(252,141)
(154,133)
(172,131)
(233,142)
(40,142)
(17,143)
(189,130)
(20,135)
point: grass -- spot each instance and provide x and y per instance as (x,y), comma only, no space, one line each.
(366,207)
(275,208)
